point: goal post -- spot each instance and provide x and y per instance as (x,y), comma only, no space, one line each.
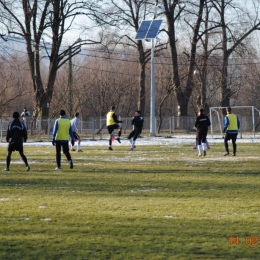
(246,114)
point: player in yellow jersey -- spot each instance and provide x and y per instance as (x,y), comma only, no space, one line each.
(231,126)
(112,124)
(62,132)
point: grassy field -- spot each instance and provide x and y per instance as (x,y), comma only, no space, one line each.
(158,202)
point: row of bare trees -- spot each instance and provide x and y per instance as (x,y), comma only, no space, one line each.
(214,38)
(100,80)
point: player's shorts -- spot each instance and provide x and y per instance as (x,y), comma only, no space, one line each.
(201,136)
(15,147)
(76,136)
(232,137)
(111,128)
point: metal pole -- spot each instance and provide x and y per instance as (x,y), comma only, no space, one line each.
(48,121)
(211,128)
(93,129)
(49,127)
(152,112)
(253,117)
(241,127)
(70,84)
(170,124)
(1,127)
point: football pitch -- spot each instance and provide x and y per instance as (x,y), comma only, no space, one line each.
(158,202)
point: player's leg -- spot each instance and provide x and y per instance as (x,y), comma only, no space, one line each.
(65,150)
(136,134)
(130,136)
(58,156)
(203,140)
(199,143)
(227,138)
(20,150)
(72,146)
(110,131)
(234,138)
(196,143)
(26,123)
(78,146)
(118,133)
(207,144)
(8,157)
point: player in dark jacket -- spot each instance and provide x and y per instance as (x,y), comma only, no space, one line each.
(138,122)
(17,134)
(202,123)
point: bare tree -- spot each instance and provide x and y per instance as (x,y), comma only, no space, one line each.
(233,35)
(14,84)
(43,25)
(125,17)
(173,12)
(108,80)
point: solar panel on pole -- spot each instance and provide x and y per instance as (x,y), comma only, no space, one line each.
(144,27)
(154,29)
(148,29)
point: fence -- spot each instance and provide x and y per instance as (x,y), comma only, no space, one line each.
(95,128)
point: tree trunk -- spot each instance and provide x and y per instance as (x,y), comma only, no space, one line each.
(182,93)
(142,64)
(160,114)
(225,91)
(224,70)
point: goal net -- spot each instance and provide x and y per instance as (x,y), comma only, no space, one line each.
(249,117)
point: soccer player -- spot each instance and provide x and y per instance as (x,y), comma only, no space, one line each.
(138,122)
(202,123)
(196,142)
(17,132)
(60,138)
(112,124)
(231,126)
(75,130)
(26,115)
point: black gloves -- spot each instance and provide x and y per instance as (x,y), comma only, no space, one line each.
(53,142)
(72,142)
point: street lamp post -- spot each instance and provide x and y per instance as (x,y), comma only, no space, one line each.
(152,111)
(148,31)
(48,122)
(70,79)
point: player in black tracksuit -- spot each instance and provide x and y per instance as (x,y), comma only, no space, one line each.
(202,123)
(138,122)
(18,134)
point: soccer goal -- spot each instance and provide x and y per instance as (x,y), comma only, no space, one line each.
(249,117)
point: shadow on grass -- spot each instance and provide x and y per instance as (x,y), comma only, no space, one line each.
(129,238)
(159,183)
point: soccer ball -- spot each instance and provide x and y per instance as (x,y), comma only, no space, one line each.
(196,72)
